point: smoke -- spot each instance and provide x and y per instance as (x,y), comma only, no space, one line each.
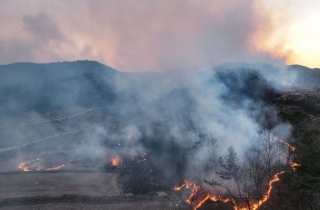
(187,124)
(183,120)
(143,35)
(171,119)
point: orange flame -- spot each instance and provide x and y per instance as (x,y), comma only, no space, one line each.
(215,199)
(201,202)
(254,206)
(54,168)
(266,196)
(194,190)
(177,188)
(286,143)
(294,165)
(23,167)
(115,162)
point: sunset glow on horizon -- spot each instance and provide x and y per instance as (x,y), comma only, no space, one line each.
(300,34)
(161,35)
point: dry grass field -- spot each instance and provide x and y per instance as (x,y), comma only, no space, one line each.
(79,184)
(151,205)
(55,184)
(73,190)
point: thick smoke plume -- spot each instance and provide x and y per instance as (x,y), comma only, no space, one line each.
(148,35)
(180,124)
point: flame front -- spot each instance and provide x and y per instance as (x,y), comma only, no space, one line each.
(294,165)
(193,200)
(198,203)
(23,166)
(54,168)
(115,162)
(253,204)
(266,196)
(286,143)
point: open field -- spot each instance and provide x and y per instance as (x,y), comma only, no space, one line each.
(55,184)
(73,190)
(154,205)
(79,184)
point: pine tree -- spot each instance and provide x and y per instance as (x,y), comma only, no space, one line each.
(230,166)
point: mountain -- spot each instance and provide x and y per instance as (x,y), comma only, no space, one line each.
(43,87)
(89,84)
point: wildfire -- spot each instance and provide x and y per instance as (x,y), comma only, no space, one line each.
(178,188)
(194,198)
(54,168)
(294,165)
(195,193)
(202,201)
(115,162)
(212,198)
(197,203)
(266,196)
(24,166)
(286,143)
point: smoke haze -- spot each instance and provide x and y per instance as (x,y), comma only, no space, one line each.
(171,120)
(188,79)
(141,35)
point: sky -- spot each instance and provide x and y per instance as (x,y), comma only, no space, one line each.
(160,35)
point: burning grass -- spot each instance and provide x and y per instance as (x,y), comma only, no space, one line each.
(37,165)
(199,195)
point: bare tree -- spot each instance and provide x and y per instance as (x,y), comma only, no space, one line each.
(269,153)
(255,168)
